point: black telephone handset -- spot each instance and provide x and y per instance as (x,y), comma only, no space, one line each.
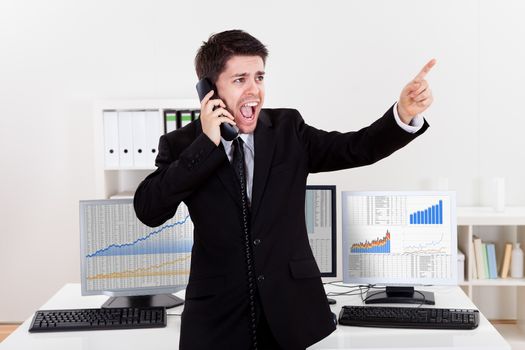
(204,86)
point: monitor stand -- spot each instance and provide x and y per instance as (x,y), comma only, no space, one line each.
(166,300)
(400,295)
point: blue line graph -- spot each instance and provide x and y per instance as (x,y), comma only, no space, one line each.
(142,246)
(432,247)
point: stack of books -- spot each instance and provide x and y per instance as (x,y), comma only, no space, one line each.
(486,266)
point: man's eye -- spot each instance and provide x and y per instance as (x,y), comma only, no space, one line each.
(260,77)
(239,80)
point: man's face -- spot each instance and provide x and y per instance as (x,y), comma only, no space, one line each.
(241,88)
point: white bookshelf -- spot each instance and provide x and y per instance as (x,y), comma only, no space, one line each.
(493,295)
(123,181)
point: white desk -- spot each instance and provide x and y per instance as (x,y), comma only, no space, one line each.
(484,337)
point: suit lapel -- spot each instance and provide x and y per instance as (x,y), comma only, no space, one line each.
(229,180)
(225,174)
(264,139)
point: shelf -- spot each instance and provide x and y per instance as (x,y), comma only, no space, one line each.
(512,216)
(497,298)
(142,104)
(112,180)
(130,168)
(511,282)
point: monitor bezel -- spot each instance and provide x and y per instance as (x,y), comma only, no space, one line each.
(83,265)
(333,190)
(452,280)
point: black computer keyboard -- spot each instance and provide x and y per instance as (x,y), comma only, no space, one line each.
(408,317)
(98,319)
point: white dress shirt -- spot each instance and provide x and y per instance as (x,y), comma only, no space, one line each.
(249,157)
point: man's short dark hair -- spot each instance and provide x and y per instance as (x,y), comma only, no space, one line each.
(213,54)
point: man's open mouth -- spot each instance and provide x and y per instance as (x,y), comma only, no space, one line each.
(248,109)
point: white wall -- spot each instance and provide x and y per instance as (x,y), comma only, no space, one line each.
(341,63)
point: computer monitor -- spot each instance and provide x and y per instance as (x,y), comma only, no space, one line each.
(399,239)
(135,264)
(139,265)
(321,226)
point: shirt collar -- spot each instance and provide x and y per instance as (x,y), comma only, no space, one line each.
(247,138)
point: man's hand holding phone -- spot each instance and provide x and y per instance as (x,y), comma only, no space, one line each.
(211,117)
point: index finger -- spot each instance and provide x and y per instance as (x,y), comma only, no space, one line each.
(206,98)
(425,70)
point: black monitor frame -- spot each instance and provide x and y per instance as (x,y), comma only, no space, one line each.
(332,188)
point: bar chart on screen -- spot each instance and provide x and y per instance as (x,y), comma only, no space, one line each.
(398,236)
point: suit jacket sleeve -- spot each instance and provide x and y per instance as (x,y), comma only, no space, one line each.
(183,163)
(328,151)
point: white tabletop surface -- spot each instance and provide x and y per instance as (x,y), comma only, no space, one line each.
(484,337)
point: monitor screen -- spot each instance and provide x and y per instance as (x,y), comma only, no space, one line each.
(321,226)
(399,238)
(122,256)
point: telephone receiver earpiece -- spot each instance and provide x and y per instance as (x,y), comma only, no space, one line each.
(204,86)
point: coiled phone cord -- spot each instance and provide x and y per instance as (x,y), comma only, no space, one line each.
(247,247)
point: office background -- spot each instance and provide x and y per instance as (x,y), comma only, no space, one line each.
(340,63)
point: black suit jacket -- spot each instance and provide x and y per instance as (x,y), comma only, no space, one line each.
(192,169)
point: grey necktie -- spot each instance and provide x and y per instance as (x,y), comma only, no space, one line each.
(239,166)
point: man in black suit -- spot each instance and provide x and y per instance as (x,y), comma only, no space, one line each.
(254,282)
